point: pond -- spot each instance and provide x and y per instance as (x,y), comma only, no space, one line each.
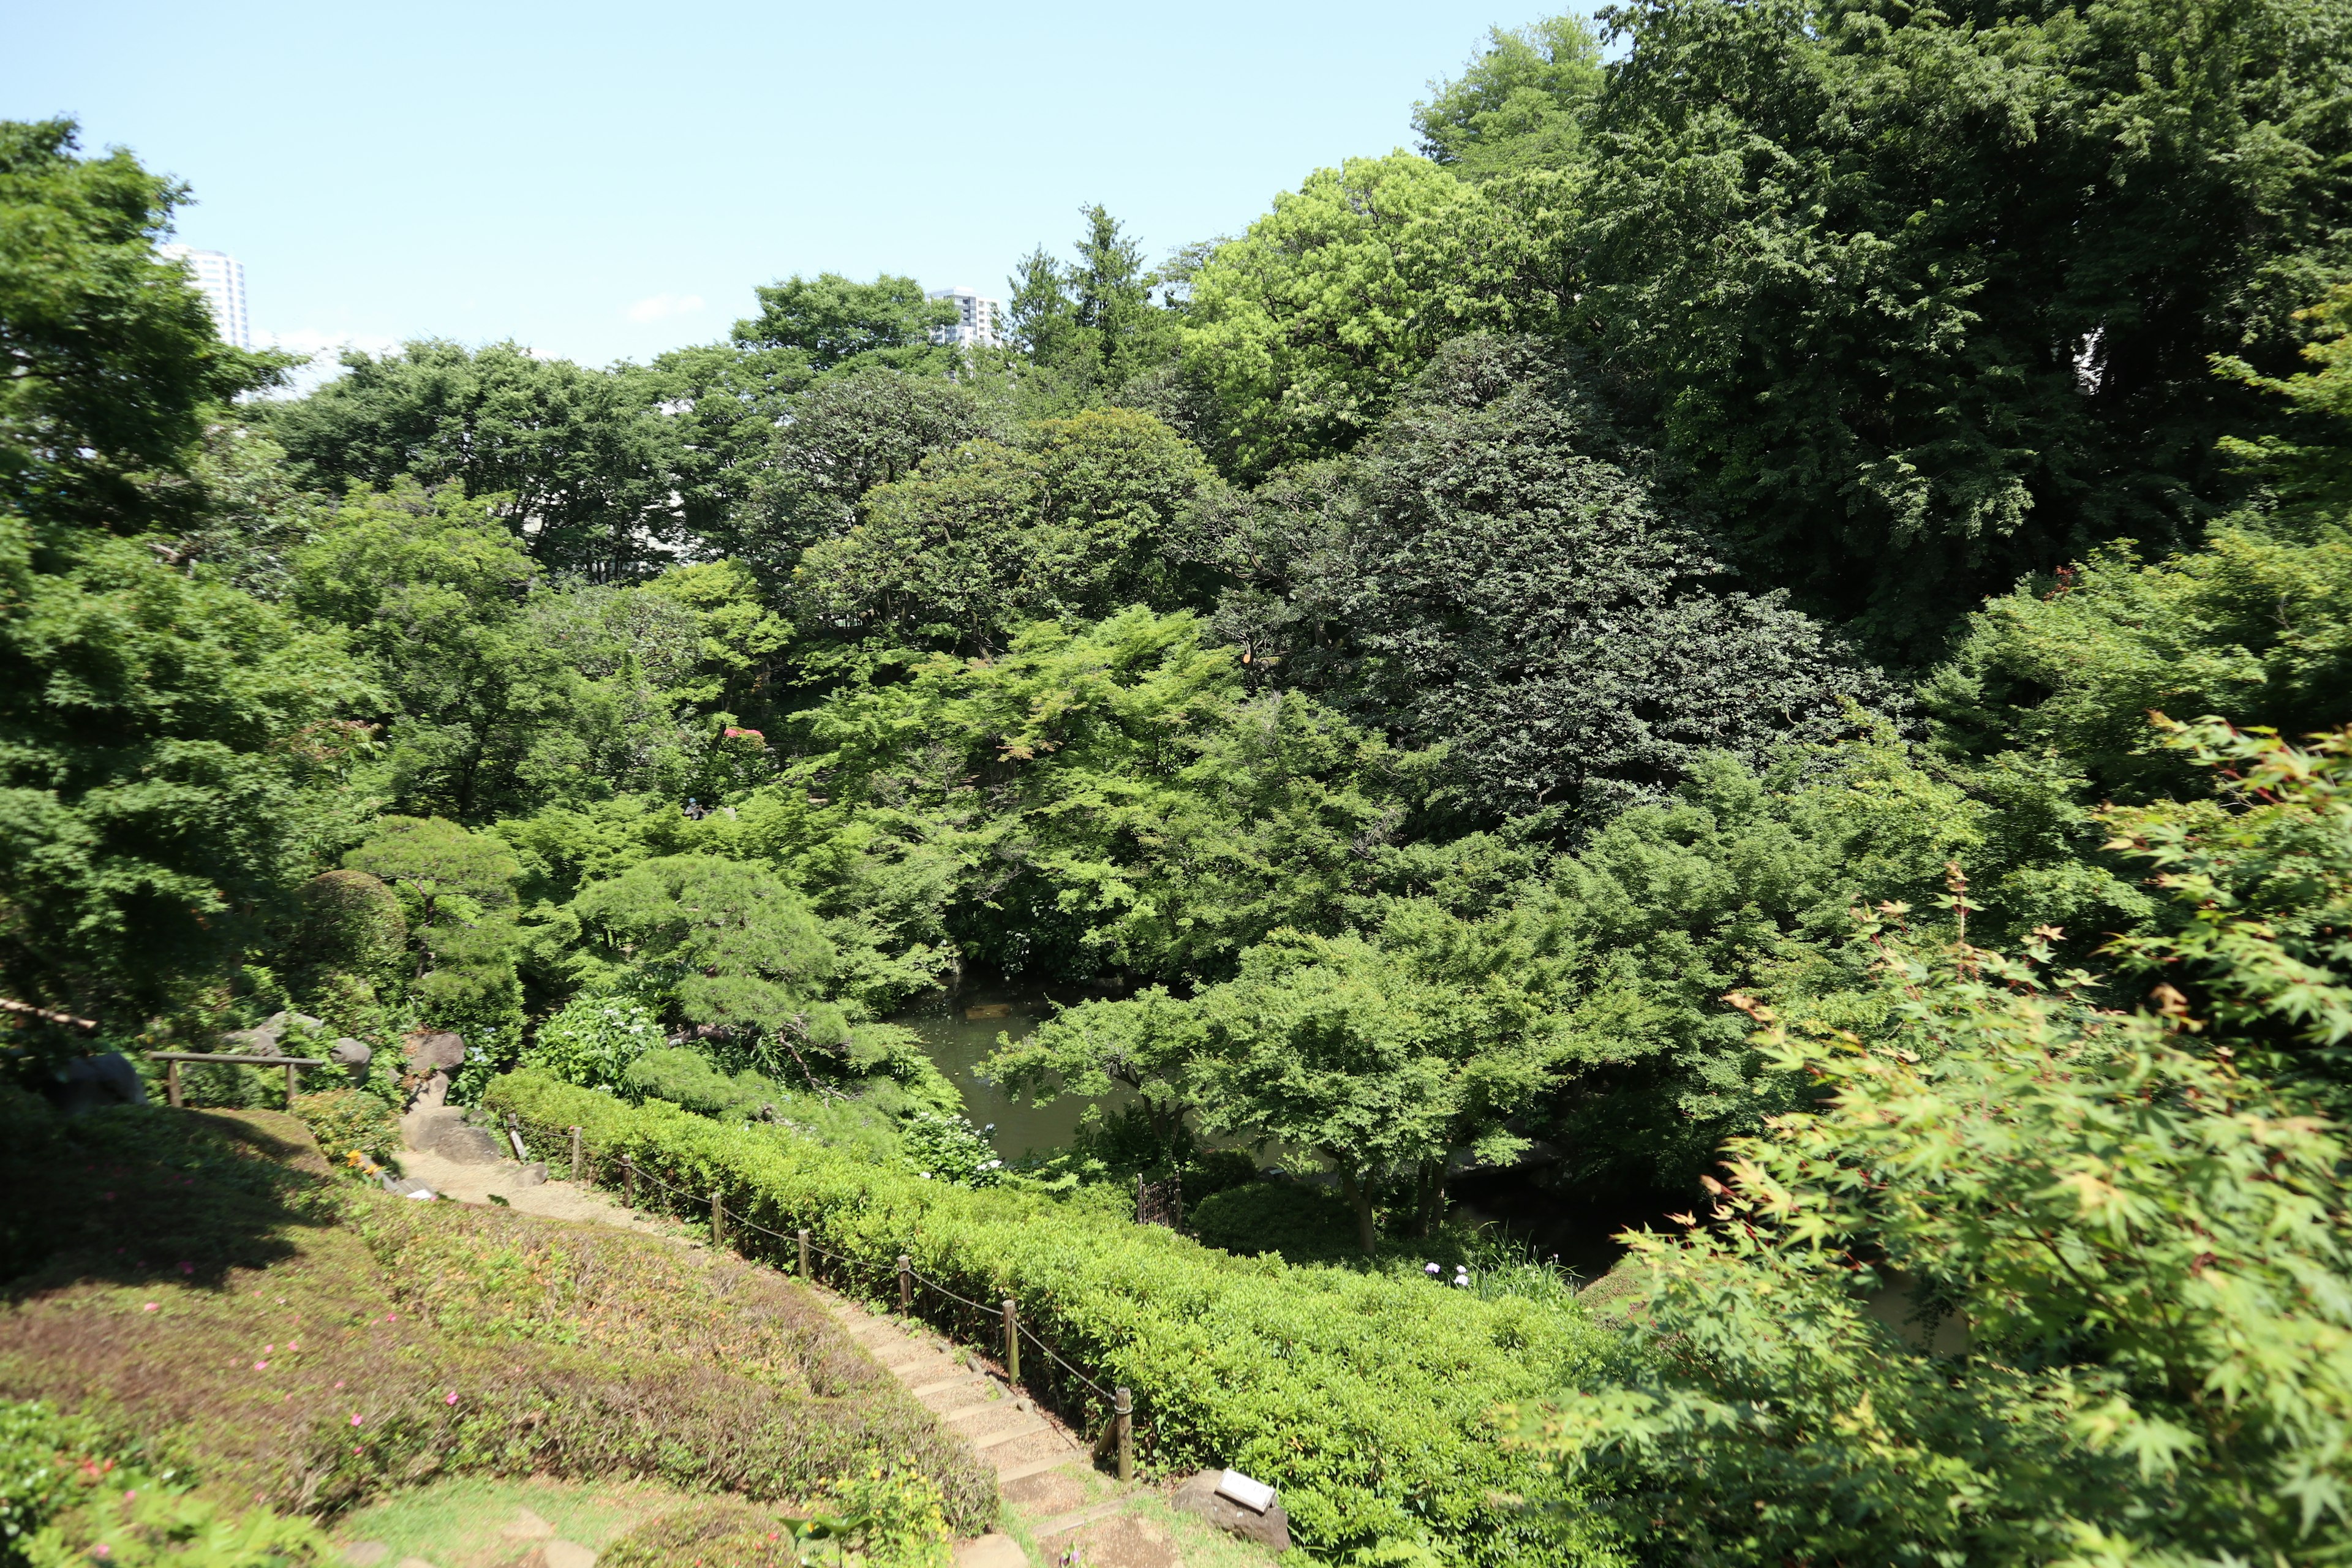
(959,1030)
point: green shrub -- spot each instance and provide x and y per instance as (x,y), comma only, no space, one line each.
(594,1040)
(1303,1224)
(941,1148)
(1368,1400)
(69,1498)
(882,1519)
(691,1079)
(349,1120)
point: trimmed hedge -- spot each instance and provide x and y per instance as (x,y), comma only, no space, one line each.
(1371,1401)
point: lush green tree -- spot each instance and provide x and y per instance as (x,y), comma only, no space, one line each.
(430,589)
(1070,521)
(1925,301)
(456,890)
(831,322)
(2256,897)
(1521,102)
(581,465)
(112,358)
(865,427)
(1513,589)
(162,737)
(1091,320)
(730,947)
(2308,463)
(1306,326)
(1099,797)
(2123,1260)
(2256,626)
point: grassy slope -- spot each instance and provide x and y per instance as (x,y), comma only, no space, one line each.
(204,1281)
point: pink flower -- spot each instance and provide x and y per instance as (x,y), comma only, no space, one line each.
(451,1400)
(261,1366)
(148,1308)
(187,1268)
(102,1550)
(339,1384)
(270,1350)
(355,1421)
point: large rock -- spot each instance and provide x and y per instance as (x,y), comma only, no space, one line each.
(350,1053)
(92,1083)
(429,1052)
(468,1145)
(265,1039)
(1200,1496)
(422,1128)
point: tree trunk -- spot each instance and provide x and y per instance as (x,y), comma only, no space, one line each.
(1431,1193)
(1361,1202)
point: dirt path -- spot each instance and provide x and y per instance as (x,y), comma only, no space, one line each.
(1059,1509)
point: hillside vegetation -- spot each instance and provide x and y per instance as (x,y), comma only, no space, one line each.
(1753,639)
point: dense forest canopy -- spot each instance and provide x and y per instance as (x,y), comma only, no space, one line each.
(1763,624)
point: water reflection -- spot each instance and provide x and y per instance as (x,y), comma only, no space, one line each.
(960,1027)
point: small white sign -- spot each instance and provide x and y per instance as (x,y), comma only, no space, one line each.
(1255,1496)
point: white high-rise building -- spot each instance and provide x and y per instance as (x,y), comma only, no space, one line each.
(222,279)
(982,322)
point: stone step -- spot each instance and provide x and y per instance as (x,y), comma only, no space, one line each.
(1022,1429)
(1077,1517)
(1025,1468)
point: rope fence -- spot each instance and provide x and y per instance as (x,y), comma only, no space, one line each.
(1003,1322)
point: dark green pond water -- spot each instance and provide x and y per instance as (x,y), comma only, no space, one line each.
(960,1028)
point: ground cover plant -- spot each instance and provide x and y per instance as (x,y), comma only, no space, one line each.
(303,1341)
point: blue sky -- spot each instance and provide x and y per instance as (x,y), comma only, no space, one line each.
(603,182)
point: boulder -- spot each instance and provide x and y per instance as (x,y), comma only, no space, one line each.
(422,1128)
(468,1145)
(531,1175)
(265,1039)
(350,1053)
(430,1052)
(92,1083)
(1200,1496)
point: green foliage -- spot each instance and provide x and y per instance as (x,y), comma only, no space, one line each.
(727,945)
(1926,303)
(112,359)
(2250,927)
(457,888)
(882,1519)
(1521,102)
(1070,522)
(1365,1399)
(576,464)
(2143,1248)
(831,323)
(159,737)
(851,432)
(940,1147)
(1306,326)
(70,1497)
(2254,625)
(2313,475)
(690,1079)
(1515,591)
(1106,795)
(594,1039)
(348,1122)
(1302,1224)
(1090,323)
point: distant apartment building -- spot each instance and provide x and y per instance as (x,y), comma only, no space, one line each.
(980,324)
(222,279)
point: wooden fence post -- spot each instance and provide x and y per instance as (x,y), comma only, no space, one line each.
(1123,1420)
(628,1182)
(172,1083)
(1011,1342)
(293,1077)
(717,1219)
(804,1254)
(906,1283)
(576,1155)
